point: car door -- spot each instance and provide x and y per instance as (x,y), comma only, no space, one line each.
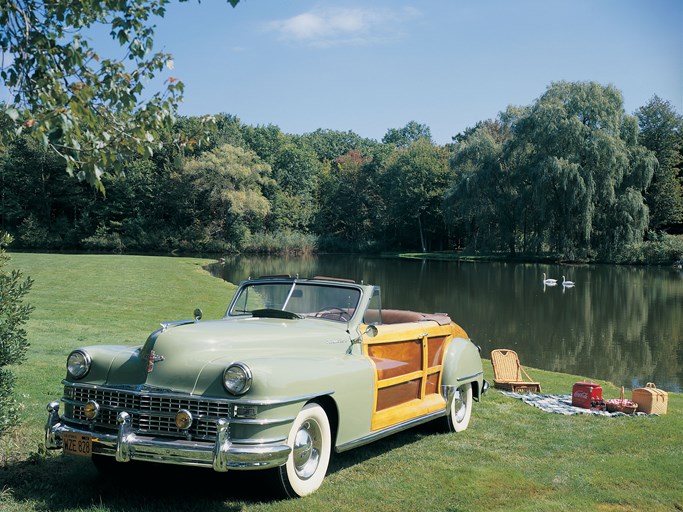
(408,362)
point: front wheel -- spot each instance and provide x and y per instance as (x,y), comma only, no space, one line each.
(311,443)
(458,417)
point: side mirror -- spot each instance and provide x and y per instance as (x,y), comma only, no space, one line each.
(197,315)
(371,331)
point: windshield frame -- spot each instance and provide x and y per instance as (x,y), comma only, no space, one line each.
(353,308)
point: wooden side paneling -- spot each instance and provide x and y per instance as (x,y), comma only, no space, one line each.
(396,358)
(435,350)
(433,383)
(398,394)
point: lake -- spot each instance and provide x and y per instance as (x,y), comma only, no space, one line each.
(623,324)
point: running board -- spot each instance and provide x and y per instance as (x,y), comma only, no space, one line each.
(389,431)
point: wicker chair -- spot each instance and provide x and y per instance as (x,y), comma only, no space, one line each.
(507,372)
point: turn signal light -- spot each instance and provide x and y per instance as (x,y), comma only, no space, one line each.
(183,419)
(91,410)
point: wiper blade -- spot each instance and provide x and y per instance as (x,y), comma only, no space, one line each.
(275,313)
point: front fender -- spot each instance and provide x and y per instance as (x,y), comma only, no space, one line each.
(281,386)
(124,361)
(462,364)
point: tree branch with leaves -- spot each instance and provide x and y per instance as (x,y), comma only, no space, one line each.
(88,108)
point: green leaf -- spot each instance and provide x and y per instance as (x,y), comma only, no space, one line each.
(12,113)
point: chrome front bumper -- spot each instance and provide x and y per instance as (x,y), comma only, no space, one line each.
(221,455)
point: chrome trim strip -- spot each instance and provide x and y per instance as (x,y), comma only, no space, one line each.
(265,421)
(174,323)
(468,377)
(254,442)
(300,398)
(389,431)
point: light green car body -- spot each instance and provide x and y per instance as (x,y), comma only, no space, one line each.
(292,362)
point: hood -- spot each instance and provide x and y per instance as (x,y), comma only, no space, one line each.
(182,352)
(211,339)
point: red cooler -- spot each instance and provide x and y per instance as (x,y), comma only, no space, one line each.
(586,394)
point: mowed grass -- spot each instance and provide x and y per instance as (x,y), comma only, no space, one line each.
(513,456)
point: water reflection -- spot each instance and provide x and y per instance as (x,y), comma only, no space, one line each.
(623,324)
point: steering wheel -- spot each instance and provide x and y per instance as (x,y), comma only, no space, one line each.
(328,311)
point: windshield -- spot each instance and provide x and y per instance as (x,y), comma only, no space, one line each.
(329,302)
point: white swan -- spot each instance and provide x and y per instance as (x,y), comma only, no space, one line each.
(567,283)
(549,282)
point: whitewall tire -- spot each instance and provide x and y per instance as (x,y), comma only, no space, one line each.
(311,443)
(460,410)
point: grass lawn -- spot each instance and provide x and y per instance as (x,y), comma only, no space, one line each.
(512,457)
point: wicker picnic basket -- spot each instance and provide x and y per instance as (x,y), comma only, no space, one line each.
(621,404)
(650,399)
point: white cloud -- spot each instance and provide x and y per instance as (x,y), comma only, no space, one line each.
(337,26)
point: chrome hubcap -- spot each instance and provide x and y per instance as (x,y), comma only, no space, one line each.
(306,450)
(459,406)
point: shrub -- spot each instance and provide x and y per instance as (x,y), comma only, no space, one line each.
(34,235)
(659,249)
(13,343)
(280,242)
(105,240)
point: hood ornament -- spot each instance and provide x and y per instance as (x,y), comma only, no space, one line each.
(153,358)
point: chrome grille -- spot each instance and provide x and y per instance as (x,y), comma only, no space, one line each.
(150,413)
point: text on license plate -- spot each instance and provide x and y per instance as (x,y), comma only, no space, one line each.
(77,444)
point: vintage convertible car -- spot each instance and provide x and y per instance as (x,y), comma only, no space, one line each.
(295,369)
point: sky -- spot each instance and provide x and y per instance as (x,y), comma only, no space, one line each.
(369,66)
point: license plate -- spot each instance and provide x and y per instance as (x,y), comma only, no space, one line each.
(77,444)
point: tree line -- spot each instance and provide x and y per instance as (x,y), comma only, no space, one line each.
(571,176)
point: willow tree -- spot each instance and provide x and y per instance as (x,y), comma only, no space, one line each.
(225,193)
(568,177)
(589,171)
(475,202)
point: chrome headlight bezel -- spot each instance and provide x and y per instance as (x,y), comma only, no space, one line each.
(237,378)
(78,364)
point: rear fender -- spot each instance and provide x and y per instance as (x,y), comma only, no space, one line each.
(462,365)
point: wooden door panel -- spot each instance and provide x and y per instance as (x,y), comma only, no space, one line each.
(408,361)
(398,394)
(396,358)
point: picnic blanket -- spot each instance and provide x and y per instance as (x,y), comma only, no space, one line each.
(562,404)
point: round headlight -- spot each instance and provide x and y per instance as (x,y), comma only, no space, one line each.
(237,378)
(78,364)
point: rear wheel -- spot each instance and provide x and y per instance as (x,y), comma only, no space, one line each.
(458,417)
(311,443)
